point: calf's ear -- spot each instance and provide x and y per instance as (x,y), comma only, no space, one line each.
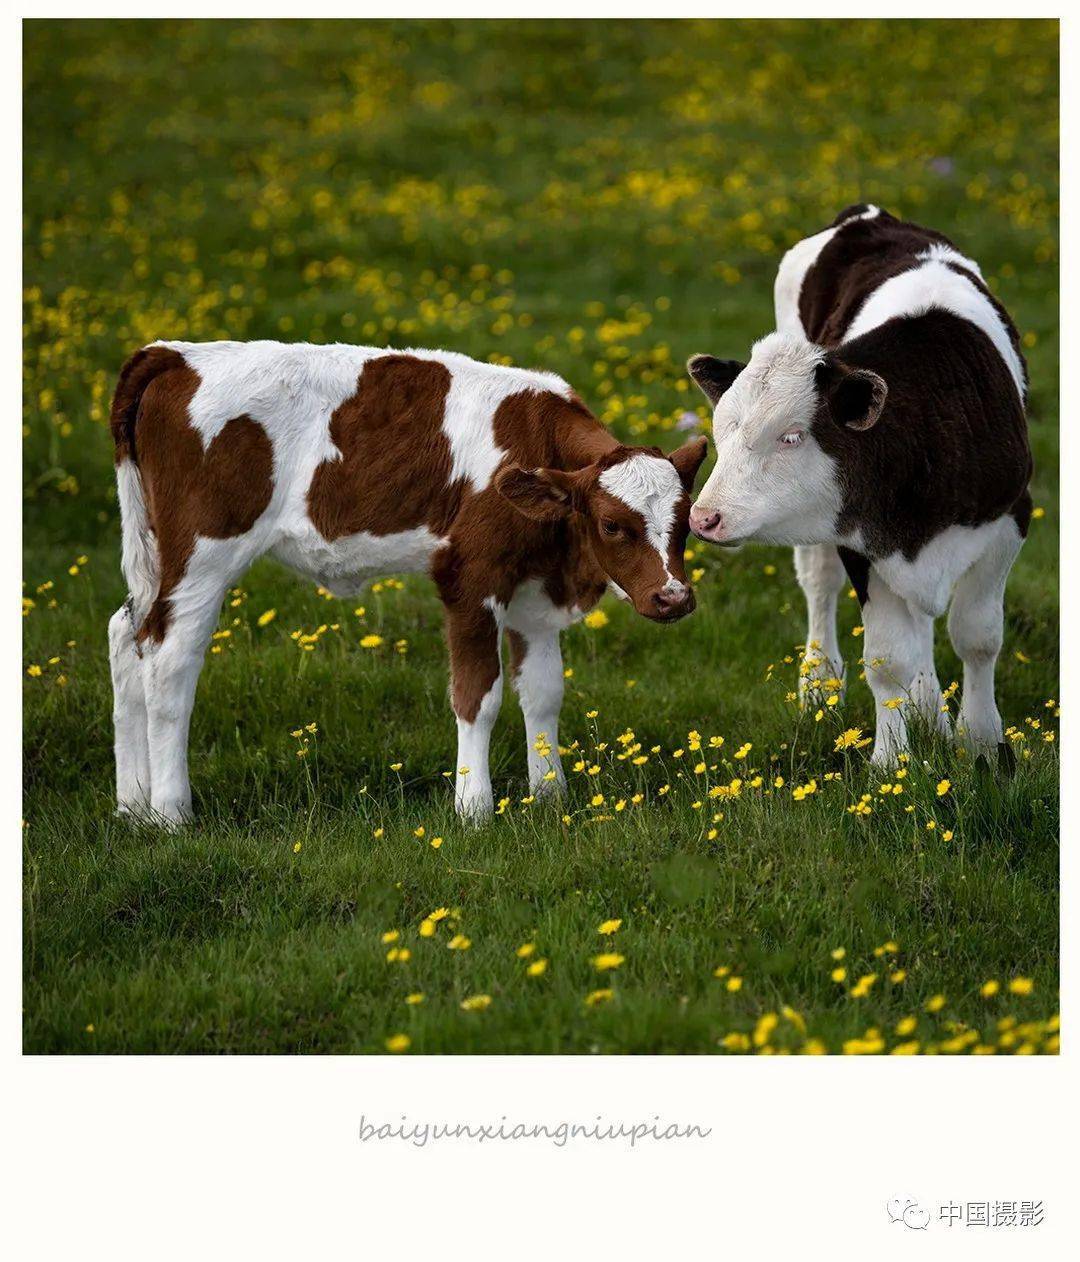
(854,396)
(687,460)
(713,376)
(541,494)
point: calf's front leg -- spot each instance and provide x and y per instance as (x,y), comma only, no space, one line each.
(536,664)
(892,656)
(474,634)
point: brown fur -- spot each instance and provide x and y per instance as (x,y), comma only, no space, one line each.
(387,431)
(473,639)
(519,648)
(394,475)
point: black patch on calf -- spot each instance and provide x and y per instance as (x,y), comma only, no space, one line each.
(950,447)
(860,257)
(858,570)
(1021,512)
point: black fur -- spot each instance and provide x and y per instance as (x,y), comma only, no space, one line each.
(950,446)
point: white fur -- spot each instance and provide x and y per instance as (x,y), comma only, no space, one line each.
(344,565)
(472,783)
(649,485)
(927,581)
(946,254)
(539,684)
(131,744)
(754,473)
(975,628)
(936,286)
(969,566)
(471,405)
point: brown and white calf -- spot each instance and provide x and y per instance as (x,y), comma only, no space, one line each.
(881,430)
(345,462)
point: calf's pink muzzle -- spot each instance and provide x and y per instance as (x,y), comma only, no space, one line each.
(707,524)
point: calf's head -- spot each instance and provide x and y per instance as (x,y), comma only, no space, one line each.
(783,424)
(634,507)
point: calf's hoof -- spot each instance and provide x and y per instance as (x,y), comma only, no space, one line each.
(884,757)
(549,790)
(475,809)
(134,809)
(169,816)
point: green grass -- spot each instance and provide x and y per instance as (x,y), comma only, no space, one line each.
(601,200)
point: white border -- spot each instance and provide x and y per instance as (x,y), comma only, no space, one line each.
(156,1158)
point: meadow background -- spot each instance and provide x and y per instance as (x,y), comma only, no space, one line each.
(601,199)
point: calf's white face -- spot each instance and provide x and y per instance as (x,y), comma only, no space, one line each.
(773,481)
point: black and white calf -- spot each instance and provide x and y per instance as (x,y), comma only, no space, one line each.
(881,430)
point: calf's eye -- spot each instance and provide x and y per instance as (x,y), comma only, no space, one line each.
(791,438)
(610,528)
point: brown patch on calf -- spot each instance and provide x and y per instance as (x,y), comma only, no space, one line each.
(394,470)
(218,492)
(519,649)
(541,429)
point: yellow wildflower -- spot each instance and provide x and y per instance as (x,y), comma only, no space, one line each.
(476,1003)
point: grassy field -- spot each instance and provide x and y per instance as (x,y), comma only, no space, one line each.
(601,200)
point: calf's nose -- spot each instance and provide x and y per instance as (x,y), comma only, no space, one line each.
(674,602)
(705,522)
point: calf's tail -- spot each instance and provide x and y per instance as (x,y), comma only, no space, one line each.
(139,557)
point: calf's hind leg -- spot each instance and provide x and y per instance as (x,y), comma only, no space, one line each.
(175,636)
(976,618)
(822,577)
(130,741)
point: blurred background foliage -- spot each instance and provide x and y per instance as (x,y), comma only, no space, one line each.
(597,198)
